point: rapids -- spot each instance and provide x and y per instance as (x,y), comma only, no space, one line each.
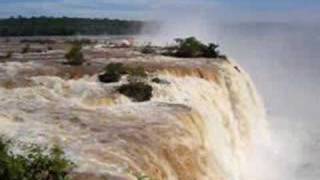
(201,125)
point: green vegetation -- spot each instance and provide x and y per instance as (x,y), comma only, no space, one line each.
(142,177)
(137,91)
(83,41)
(50,26)
(136,74)
(137,71)
(159,81)
(148,49)
(113,73)
(192,48)
(75,56)
(36,164)
(40,41)
(8,55)
(156,80)
(25,49)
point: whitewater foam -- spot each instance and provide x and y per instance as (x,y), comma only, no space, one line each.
(199,126)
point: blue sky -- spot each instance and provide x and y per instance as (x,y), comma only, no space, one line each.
(145,9)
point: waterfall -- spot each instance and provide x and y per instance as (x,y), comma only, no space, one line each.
(231,111)
(200,125)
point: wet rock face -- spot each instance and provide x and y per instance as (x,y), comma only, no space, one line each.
(197,125)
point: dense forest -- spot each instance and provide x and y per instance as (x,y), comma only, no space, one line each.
(50,26)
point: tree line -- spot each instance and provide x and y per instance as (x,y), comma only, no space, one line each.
(65,26)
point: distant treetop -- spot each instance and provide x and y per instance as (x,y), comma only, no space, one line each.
(65,26)
(191,47)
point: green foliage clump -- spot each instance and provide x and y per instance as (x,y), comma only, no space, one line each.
(136,74)
(211,50)
(116,68)
(160,81)
(9,54)
(113,72)
(26,49)
(192,48)
(75,56)
(34,165)
(143,177)
(156,80)
(81,41)
(137,71)
(64,26)
(39,41)
(189,47)
(148,49)
(137,91)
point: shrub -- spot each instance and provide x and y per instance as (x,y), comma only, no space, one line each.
(75,56)
(81,41)
(9,55)
(159,81)
(118,68)
(191,47)
(113,72)
(109,77)
(137,91)
(40,41)
(211,51)
(26,49)
(156,80)
(142,177)
(148,49)
(137,74)
(137,71)
(34,165)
